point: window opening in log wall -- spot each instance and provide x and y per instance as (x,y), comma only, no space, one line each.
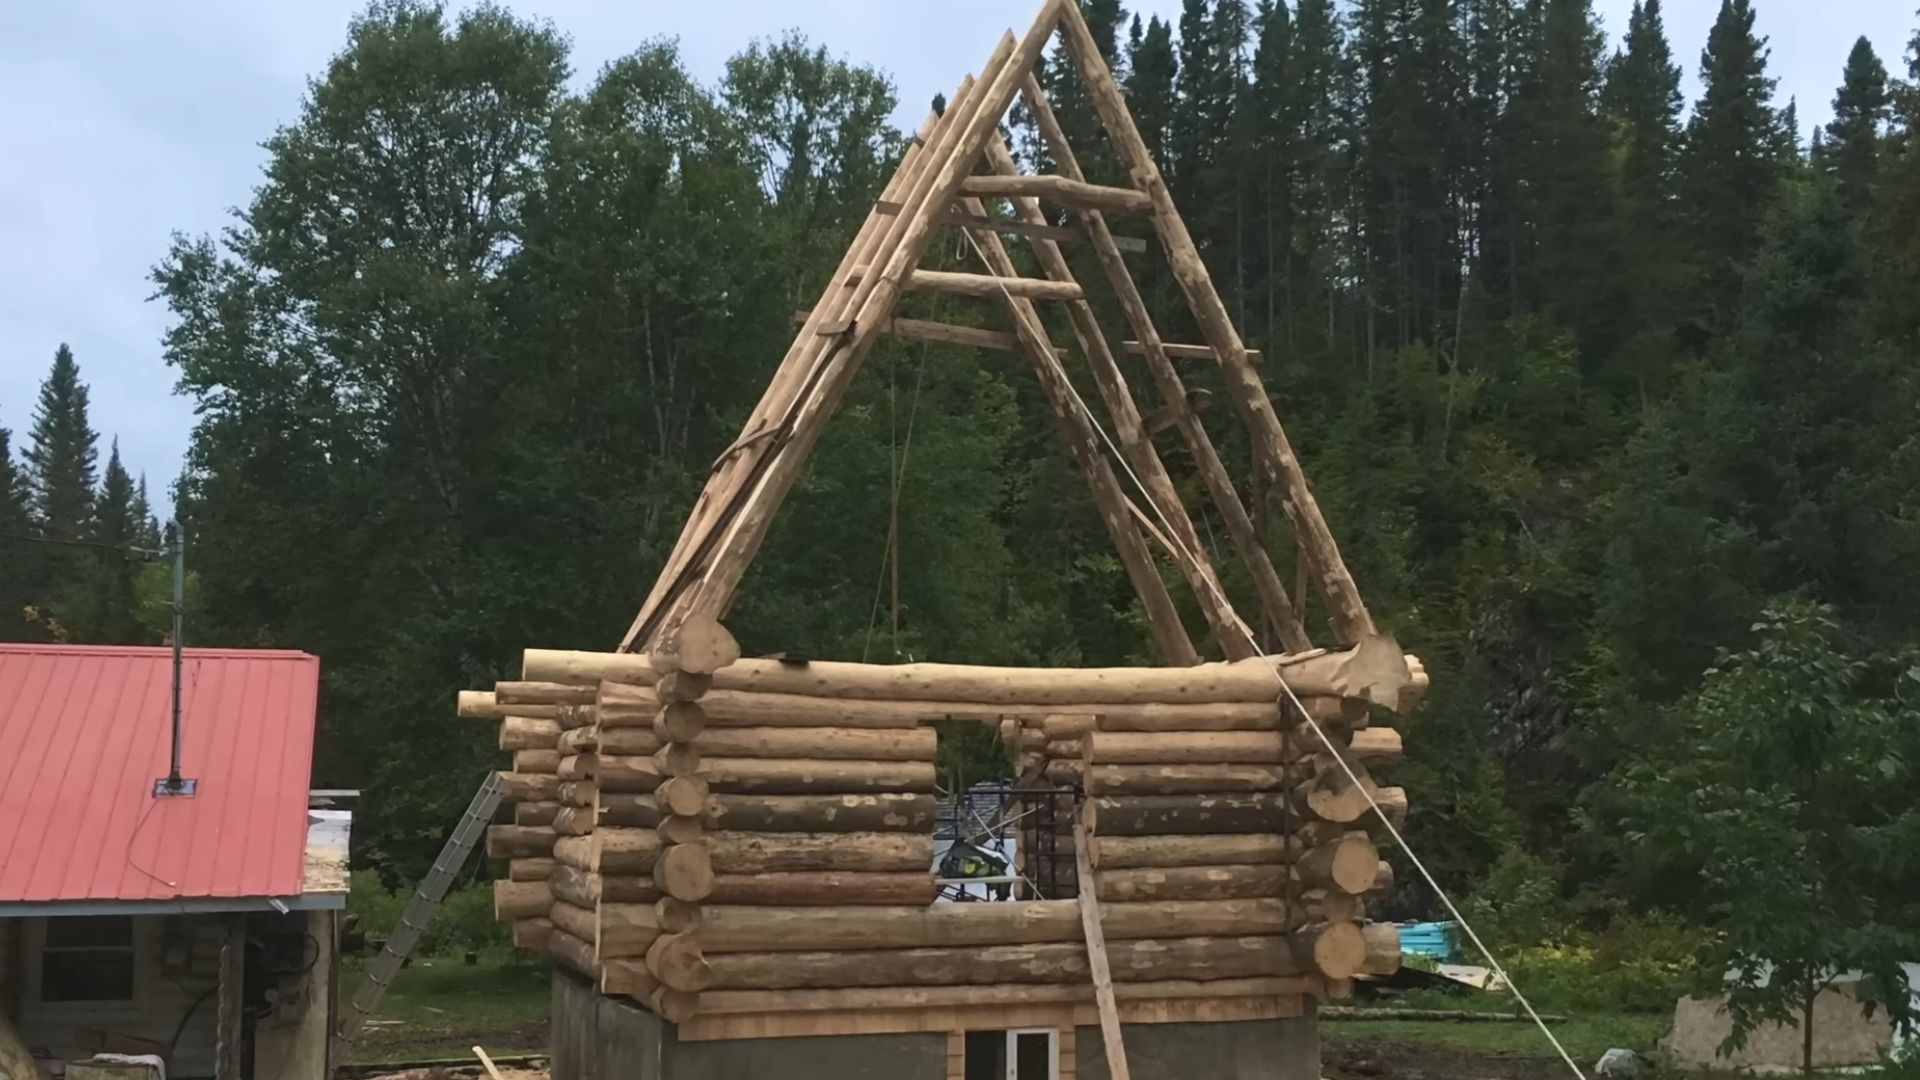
(1020,1054)
(998,842)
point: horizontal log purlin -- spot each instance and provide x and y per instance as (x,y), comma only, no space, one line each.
(633,704)
(1074,194)
(1234,849)
(1189,815)
(826,743)
(1183,779)
(991,285)
(808,929)
(480,705)
(718,1002)
(1181,352)
(882,812)
(540,693)
(1376,670)
(1186,747)
(807,776)
(1191,883)
(1056,962)
(824,889)
(978,337)
(872,852)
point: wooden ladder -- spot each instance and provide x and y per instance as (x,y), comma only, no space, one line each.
(1097,954)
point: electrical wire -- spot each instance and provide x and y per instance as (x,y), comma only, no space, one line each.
(1286,693)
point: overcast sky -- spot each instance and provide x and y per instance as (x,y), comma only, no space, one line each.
(121,122)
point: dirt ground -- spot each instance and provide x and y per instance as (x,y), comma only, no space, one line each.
(1388,1061)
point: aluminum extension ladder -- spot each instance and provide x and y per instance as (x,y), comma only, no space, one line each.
(425,902)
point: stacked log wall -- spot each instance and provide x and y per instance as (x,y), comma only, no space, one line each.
(763,831)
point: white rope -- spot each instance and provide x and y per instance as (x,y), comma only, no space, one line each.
(1352,777)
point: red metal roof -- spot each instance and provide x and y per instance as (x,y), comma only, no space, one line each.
(85,731)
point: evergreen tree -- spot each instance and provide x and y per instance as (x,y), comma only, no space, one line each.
(1730,161)
(19,553)
(1561,166)
(1315,89)
(1642,101)
(102,606)
(61,451)
(147,526)
(1152,73)
(1268,141)
(1067,92)
(1852,144)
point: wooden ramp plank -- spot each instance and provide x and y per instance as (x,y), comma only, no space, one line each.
(1097,955)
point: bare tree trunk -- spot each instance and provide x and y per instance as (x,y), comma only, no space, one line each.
(1806,1027)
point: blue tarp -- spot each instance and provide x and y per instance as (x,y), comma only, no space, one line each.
(1433,940)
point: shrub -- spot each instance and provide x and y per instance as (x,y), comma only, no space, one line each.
(464,921)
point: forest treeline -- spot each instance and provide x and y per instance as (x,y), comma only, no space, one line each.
(1588,379)
(81,553)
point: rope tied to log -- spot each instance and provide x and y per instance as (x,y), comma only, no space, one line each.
(1285,693)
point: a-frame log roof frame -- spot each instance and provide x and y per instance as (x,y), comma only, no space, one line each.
(956,162)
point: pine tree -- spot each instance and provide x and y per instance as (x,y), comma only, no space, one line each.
(1268,126)
(100,605)
(1152,72)
(1320,156)
(1067,92)
(1642,101)
(20,555)
(1203,103)
(1563,169)
(1730,161)
(147,526)
(61,451)
(1852,145)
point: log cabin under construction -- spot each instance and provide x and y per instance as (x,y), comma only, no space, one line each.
(732,860)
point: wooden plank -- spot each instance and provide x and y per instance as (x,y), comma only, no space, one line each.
(1170,350)
(1348,612)
(1097,955)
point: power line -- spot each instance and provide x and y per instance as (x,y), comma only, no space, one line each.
(134,549)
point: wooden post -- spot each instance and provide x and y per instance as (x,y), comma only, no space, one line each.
(1274,601)
(227,1063)
(1349,613)
(1097,955)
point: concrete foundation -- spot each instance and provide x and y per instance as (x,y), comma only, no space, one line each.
(1243,1050)
(600,1038)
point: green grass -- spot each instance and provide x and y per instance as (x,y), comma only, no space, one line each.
(1586,1037)
(440,1007)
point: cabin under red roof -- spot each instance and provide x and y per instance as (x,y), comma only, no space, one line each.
(86,730)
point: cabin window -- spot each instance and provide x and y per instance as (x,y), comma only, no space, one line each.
(87,958)
(1023,1054)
